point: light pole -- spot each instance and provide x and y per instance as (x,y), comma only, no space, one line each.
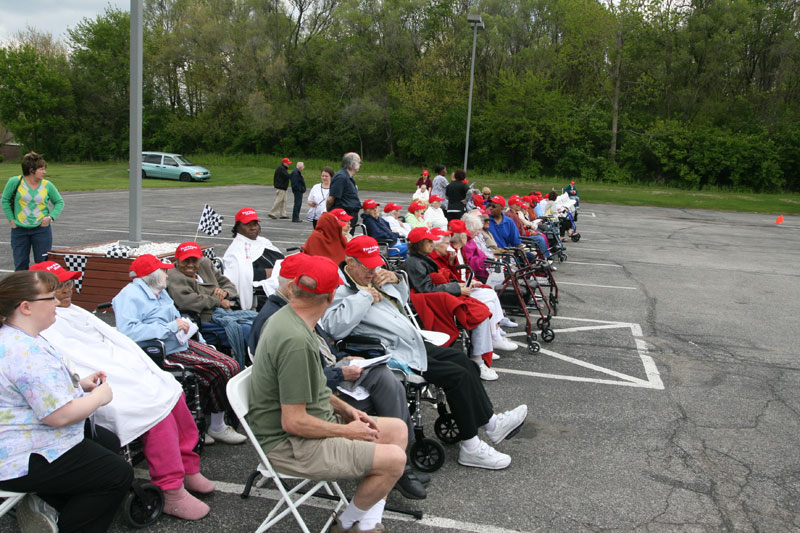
(476,22)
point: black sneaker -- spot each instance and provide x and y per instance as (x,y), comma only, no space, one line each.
(410,486)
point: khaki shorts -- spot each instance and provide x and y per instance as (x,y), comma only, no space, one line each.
(323,459)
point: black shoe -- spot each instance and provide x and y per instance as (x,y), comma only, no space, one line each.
(284,218)
(273,217)
(410,487)
(298,221)
(423,478)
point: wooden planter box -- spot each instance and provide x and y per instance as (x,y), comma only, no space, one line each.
(103,277)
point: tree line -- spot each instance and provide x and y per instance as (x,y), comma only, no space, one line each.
(701,93)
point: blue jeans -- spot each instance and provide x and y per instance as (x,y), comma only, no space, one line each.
(542,245)
(23,239)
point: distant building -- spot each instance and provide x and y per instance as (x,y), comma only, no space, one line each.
(9,149)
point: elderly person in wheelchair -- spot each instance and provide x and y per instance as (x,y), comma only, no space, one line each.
(148,402)
(145,311)
(386,395)
(372,303)
(198,288)
(249,260)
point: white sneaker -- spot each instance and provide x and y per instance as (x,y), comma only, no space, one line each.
(36,516)
(507,323)
(483,457)
(501,343)
(495,357)
(508,423)
(487,374)
(227,436)
(208,440)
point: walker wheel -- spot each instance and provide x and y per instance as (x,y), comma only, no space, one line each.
(446,429)
(534,347)
(575,237)
(548,335)
(562,257)
(144,511)
(427,455)
(539,322)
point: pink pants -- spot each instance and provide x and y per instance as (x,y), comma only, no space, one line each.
(168,447)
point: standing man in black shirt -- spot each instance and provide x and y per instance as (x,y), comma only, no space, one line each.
(281,182)
(344,191)
(298,188)
(456,193)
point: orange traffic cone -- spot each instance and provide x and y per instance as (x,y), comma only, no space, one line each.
(779,220)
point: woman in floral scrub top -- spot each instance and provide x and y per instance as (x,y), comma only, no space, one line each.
(47,446)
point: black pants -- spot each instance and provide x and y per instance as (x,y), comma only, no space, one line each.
(455,213)
(460,378)
(85,485)
(298,201)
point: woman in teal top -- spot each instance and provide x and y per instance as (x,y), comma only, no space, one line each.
(27,201)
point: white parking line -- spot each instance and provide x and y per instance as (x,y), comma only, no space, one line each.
(438,522)
(591,249)
(595,264)
(600,286)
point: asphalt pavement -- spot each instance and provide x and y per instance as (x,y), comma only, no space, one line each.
(666,402)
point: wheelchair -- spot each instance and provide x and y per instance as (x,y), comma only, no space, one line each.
(427,455)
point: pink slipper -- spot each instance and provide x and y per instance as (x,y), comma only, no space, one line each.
(198,483)
(178,502)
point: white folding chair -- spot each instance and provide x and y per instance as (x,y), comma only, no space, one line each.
(11,499)
(238,391)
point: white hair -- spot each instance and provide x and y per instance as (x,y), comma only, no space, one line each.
(351,161)
(473,222)
(156,280)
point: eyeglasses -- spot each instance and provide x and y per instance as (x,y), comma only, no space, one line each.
(65,286)
(42,299)
(362,266)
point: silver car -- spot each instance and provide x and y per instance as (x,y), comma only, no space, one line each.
(172,167)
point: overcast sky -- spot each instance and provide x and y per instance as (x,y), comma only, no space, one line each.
(53,16)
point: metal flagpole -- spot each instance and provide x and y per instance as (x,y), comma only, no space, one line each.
(135,150)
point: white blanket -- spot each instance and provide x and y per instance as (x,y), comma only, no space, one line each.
(143,393)
(238,261)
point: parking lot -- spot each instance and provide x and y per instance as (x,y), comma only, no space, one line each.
(667,401)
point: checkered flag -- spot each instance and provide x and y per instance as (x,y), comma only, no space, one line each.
(210,221)
(118,251)
(209,252)
(76,263)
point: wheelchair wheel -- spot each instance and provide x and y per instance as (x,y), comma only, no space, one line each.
(446,429)
(144,511)
(562,257)
(548,335)
(427,455)
(533,346)
(575,237)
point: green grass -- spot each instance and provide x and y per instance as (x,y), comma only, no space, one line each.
(391,177)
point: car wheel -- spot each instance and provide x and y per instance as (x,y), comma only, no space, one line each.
(144,175)
(186,177)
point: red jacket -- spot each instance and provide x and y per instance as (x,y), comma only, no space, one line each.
(437,309)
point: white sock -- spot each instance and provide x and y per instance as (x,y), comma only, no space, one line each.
(217,421)
(471,444)
(350,516)
(491,423)
(372,517)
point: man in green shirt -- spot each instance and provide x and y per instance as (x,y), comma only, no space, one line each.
(26,203)
(304,429)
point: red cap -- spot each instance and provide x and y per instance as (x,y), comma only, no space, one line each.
(246,215)
(391,206)
(415,206)
(341,214)
(424,172)
(439,232)
(369,204)
(435,198)
(498,200)
(459,226)
(419,234)
(365,249)
(286,161)
(188,249)
(477,199)
(572,183)
(292,265)
(147,264)
(54,268)
(323,271)
(513,197)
